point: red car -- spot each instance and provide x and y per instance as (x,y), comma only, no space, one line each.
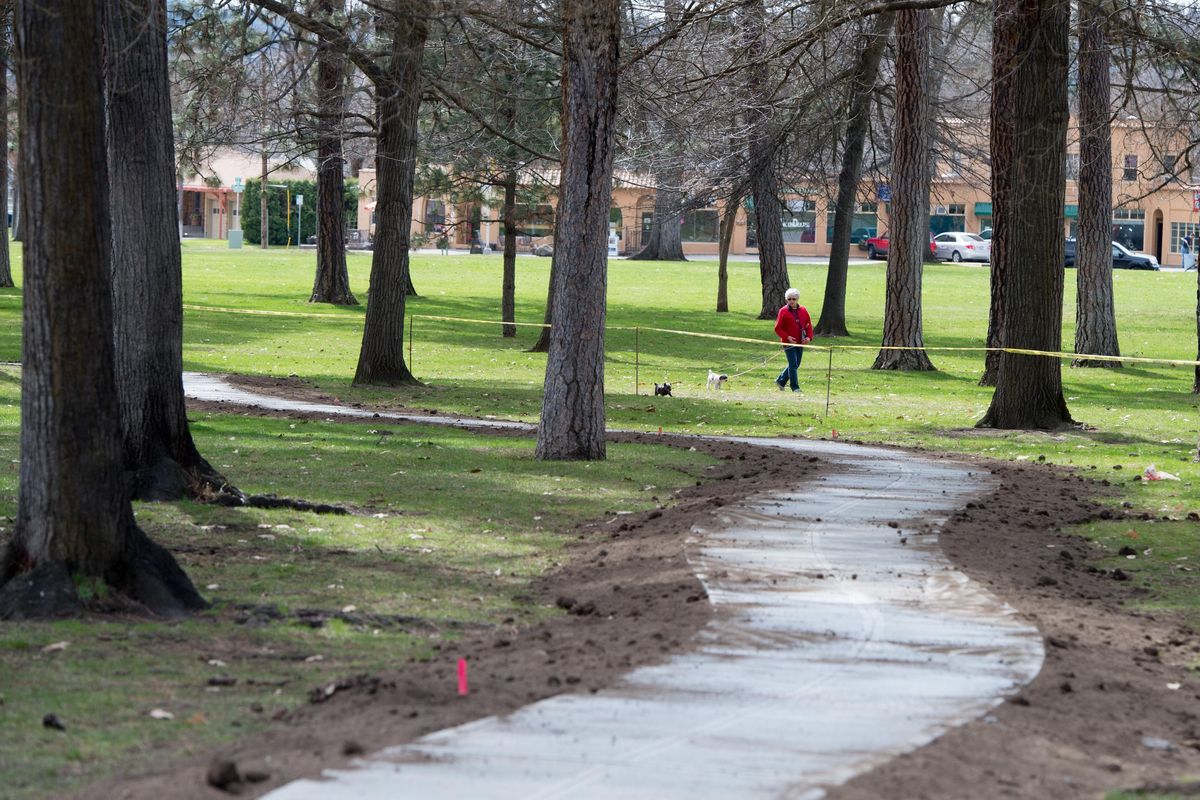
(877,246)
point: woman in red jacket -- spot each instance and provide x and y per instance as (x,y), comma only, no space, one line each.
(793,327)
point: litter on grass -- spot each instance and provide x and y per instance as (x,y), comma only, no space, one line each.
(1153,474)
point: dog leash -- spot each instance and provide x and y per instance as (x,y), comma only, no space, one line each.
(751,368)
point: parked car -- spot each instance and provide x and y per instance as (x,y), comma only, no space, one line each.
(859,237)
(956,246)
(986,233)
(877,246)
(1122,257)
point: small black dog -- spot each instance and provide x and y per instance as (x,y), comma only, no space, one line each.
(662,390)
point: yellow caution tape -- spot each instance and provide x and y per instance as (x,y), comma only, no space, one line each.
(826,348)
(264,313)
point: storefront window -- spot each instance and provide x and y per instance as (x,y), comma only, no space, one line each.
(864,225)
(1128,227)
(947,218)
(799,221)
(1181,229)
(435,215)
(536,220)
(702,225)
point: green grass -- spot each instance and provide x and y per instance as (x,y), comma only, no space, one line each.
(457,544)
(452,528)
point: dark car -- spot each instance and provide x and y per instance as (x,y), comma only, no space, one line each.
(1122,258)
(859,237)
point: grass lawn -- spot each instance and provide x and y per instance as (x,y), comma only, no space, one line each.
(459,524)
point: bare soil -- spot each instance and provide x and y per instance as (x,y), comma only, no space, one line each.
(1100,716)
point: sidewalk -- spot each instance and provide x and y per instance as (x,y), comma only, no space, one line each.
(840,640)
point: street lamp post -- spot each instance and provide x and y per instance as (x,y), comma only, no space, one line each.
(235,233)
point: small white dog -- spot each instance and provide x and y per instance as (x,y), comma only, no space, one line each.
(716,379)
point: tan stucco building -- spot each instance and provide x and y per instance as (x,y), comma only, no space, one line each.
(1152,210)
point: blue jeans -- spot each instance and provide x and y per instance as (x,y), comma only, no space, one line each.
(794,354)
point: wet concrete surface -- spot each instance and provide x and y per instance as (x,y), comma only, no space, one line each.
(834,647)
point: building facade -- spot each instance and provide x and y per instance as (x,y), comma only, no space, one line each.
(1154,207)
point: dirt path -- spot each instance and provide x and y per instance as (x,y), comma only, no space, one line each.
(1095,719)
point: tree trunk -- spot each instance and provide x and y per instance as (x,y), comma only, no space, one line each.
(1029,388)
(910,198)
(263,197)
(508,289)
(764,186)
(398,96)
(1004,58)
(6,278)
(833,309)
(665,242)
(332,281)
(1095,318)
(147,278)
(18,232)
(74,519)
(728,220)
(1196,379)
(572,422)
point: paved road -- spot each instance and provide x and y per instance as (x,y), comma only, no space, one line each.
(834,647)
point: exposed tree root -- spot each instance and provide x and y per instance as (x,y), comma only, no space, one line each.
(145,578)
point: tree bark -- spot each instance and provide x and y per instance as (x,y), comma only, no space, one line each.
(728,219)
(1095,318)
(18,231)
(910,198)
(74,518)
(147,278)
(665,242)
(1004,58)
(332,282)
(833,310)
(1029,388)
(398,96)
(263,197)
(572,421)
(6,278)
(1196,379)
(508,289)
(764,186)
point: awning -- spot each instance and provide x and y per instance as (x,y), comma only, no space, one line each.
(985,210)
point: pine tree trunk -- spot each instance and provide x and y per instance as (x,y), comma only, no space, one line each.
(74,519)
(1004,57)
(764,186)
(264,190)
(665,242)
(833,310)
(910,198)
(1095,318)
(728,219)
(572,422)
(1029,388)
(1196,379)
(398,97)
(18,233)
(332,281)
(6,278)
(508,289)
(147,281)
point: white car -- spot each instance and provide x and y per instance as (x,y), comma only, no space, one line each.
(962,247)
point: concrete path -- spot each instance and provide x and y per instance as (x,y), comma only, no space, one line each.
(834,647)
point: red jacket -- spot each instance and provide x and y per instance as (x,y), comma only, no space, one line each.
(797,325)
